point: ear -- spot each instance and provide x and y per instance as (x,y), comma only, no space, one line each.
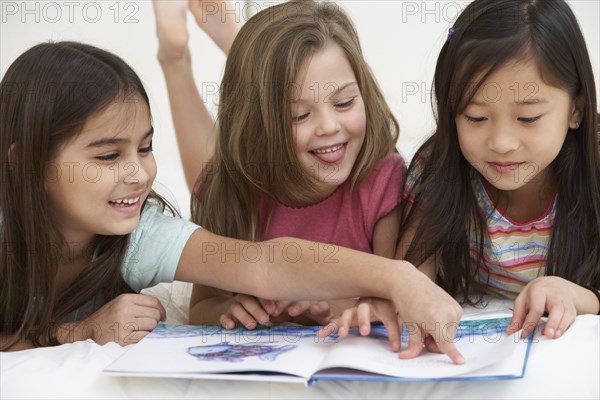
(576,113)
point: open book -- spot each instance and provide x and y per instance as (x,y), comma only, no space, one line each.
(295,354)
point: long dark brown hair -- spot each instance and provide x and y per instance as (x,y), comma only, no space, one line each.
(487,35)
(255,154)
(46,97)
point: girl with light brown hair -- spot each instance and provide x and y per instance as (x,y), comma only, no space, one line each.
(304,144)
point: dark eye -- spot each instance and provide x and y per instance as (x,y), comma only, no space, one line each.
(300,118)
(345,104)
(475,119)
(108,157)
(529,120)
(147,149)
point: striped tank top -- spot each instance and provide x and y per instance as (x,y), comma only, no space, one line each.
(514,252)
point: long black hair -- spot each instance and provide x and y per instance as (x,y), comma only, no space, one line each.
(486,36)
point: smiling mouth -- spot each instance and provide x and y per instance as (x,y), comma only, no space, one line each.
(125,202)
(332,149)
(330,155)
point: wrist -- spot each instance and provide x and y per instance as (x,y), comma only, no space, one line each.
(402,277)
(595,309)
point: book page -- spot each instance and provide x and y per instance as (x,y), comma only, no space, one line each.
(262,354)
(179,350)
(479,351)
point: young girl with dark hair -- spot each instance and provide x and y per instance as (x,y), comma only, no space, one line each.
(504,197)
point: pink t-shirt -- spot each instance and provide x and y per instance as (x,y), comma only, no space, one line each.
(344,218)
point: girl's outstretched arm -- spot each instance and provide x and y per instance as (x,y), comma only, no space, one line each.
(212,306)
(291,269)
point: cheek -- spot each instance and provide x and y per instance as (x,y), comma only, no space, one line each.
(151,168)
(359,120)
(472,149)
(465,142)
(300,136)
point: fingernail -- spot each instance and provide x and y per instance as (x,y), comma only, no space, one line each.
(558,334)
(460,360)
(550,332)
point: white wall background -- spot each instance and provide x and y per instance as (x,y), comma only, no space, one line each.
(401,40)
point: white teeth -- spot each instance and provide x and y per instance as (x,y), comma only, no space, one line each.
(329,149)
(126,201)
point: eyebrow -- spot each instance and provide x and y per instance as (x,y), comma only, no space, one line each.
(344,87)
(534,100)
(522,102)
(112,141)
(338,90)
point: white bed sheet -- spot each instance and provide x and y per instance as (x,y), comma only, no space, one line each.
(565,368)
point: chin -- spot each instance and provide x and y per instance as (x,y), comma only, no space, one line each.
(123,229)
(505,186)
(335,179)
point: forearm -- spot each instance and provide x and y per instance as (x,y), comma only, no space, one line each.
(290,269)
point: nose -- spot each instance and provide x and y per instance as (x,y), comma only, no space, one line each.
(136,172)
(327,124)
(503,139)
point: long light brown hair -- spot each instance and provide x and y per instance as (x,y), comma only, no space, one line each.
(255,154)
(46,97)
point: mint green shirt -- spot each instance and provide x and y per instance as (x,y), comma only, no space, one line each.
(153,253)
